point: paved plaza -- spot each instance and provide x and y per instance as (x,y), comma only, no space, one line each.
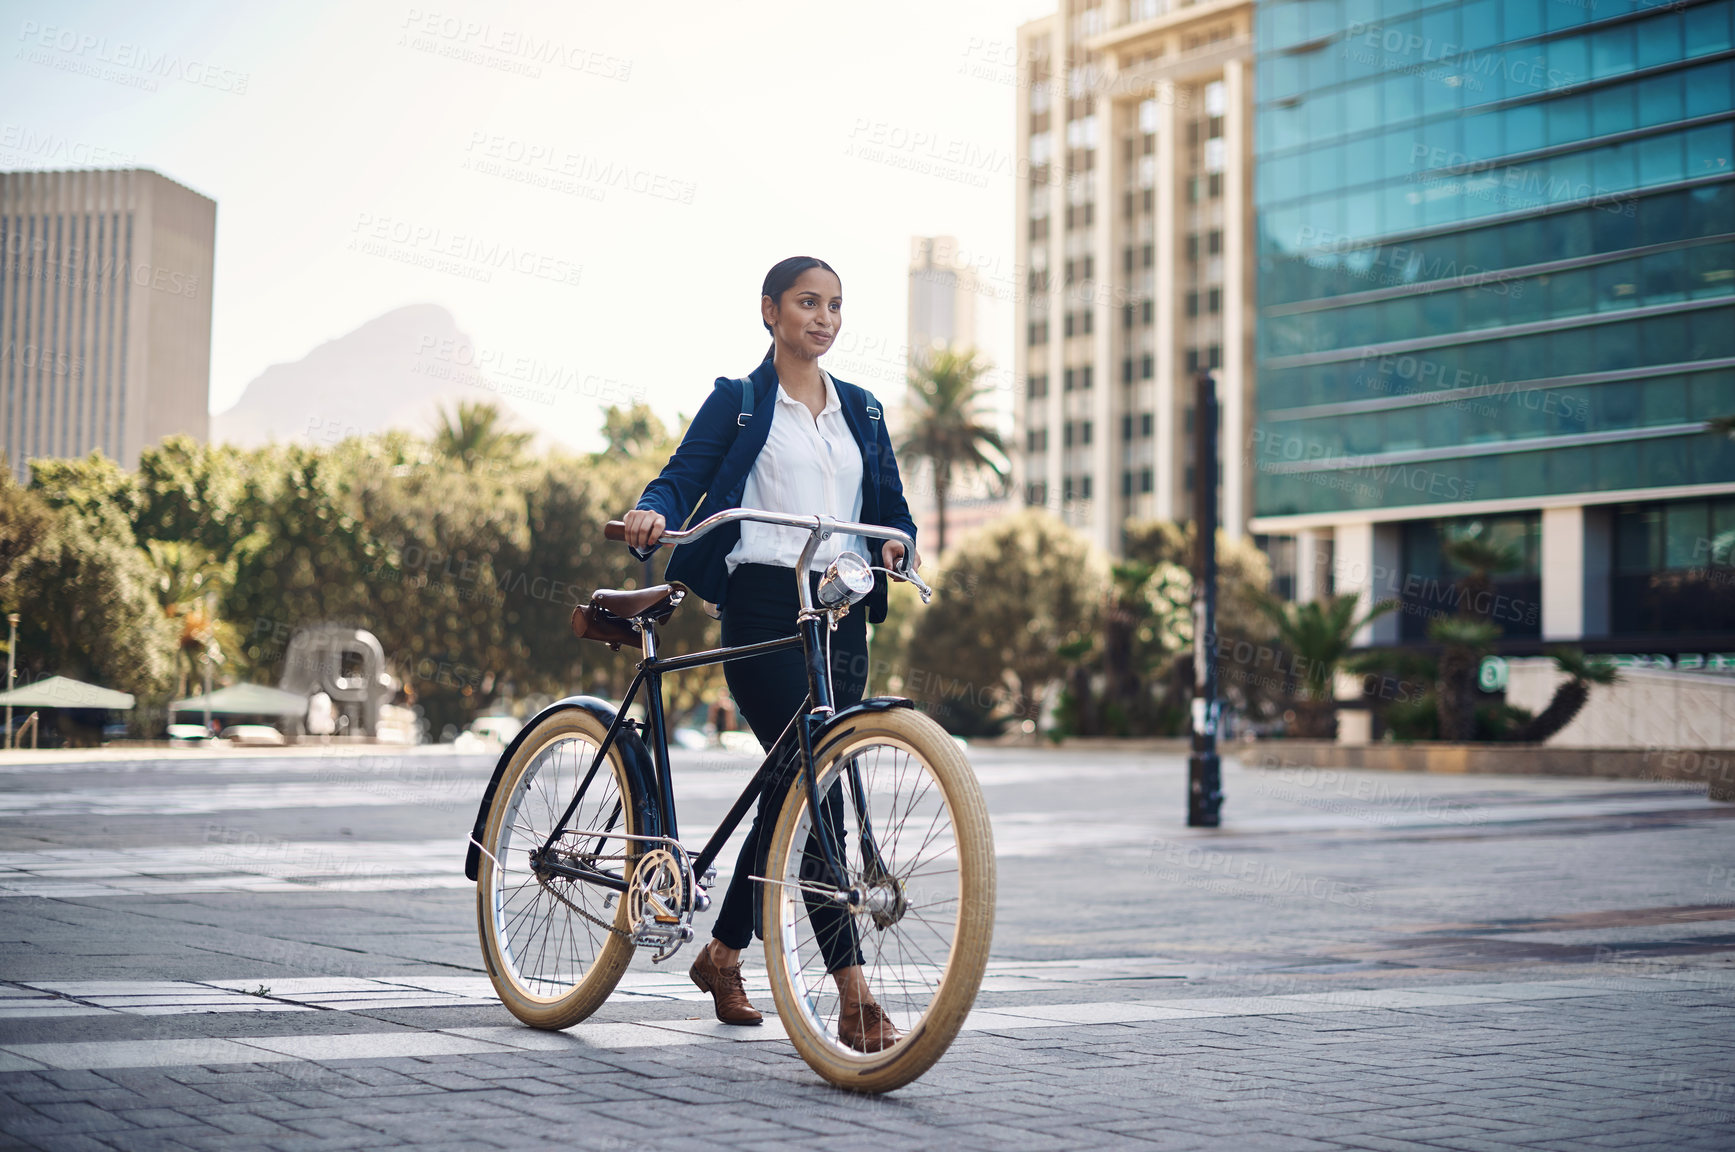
(278,950)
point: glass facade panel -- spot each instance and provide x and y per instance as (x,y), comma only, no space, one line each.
(1376,164)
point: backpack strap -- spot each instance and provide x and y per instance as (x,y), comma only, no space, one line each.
(873,405)
(746,383)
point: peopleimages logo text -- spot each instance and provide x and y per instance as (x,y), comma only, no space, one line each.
(133,57)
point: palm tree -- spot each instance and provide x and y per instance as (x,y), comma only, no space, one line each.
(1570,697)
(475,435)
(188,579)
(1479,559)
(1319,633)
(1465,640)
(947,426)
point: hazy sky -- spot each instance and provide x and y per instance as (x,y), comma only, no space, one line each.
(662,156)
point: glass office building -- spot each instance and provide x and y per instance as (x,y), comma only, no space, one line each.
(1496,296)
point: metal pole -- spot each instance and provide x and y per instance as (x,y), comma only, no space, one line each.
(207,653)
(11,672)
(1204,770)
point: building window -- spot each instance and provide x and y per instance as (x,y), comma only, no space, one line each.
(1214,242)
(1129,313)
(1084,432)
(1069,323)
(1084,487)
(1066,489)
(1147,366)
(1036,493)
(1147,255)
(1067,379)
(1126,371)
(1066,434)
(1216,99)
(1037,333)
(1126,483)
(1127,427)
(1129,256)
(1145,313)
(1214,185)
(1192,303)
(1673,566)
(1036,387)
(1192,360)
(1036,440)
(1214,301)
(1084,378)
(1144,480)
(1039,230)
(1193,246)
(1145,424)
(1090,267)
(1187,484)
(1214,355)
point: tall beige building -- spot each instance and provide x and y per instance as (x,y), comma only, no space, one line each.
(105,313)
(1135,228)
(944,291)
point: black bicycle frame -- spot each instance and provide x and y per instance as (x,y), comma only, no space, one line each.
(797,737)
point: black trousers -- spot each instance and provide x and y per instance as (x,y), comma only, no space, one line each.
(769,690)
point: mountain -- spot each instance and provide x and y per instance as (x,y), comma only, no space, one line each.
(396,371)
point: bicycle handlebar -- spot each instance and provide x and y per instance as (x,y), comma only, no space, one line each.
(819,528)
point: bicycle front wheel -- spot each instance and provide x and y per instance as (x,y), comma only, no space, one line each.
(919,850)
(555,946)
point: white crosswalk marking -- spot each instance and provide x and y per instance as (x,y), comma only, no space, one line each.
(662,1033)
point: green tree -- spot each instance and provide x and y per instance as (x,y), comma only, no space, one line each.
(1569,697)
(188,492)
(87,592)
(635,432)
(948,427)
(1012,597)
(24,524)
(476,436)
(189,584)
(1480,560)
(1464,640)
(1319,634)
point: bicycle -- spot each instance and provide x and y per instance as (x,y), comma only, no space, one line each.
(577,856)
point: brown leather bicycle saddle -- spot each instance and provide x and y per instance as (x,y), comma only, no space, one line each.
(613,615)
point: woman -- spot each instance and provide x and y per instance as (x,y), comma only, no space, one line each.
(810,445)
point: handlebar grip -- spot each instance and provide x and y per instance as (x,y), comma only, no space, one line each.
(615,530)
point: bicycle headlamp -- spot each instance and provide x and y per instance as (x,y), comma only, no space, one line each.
(846,581)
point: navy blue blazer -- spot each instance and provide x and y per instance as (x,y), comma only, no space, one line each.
(708,474)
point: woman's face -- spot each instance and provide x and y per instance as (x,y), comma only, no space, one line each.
(809,316)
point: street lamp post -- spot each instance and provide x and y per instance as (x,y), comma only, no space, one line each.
(1204,770)
(11,669)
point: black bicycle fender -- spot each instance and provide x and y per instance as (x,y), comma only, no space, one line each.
(634,755)
(831,728)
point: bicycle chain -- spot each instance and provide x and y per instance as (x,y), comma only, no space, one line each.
(552,891)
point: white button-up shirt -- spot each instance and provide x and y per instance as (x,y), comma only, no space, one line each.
(809,466)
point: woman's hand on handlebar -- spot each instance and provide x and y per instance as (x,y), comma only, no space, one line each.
(644,527)
(892,555)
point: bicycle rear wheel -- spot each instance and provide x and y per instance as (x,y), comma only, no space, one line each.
(556,947)
(923,930)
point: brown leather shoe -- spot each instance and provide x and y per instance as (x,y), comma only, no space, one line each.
(865,1027)
(726,989)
